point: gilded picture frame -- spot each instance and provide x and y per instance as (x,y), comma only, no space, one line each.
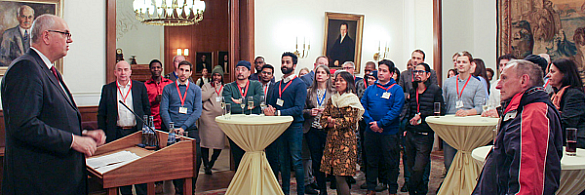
(9,20)
(339,48)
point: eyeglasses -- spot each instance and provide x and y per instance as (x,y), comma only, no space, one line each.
(258,62)
(347,68)
(66,33)
(419,71)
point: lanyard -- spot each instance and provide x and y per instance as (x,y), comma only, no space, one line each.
(457,83)
(380,86)
(216,91)
(280,90)
(322,99)
(546,84)
(265,89)
(122,94)
(417,104)
(183,97)
(240,89)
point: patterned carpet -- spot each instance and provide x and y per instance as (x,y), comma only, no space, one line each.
(436,177)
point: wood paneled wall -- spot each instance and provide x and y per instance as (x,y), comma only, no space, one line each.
(209,35)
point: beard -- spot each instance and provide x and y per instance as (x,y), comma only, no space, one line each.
(286,70)
(240,77)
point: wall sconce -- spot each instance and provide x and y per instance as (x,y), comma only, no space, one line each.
(379,56)
(306,48)
(184,52)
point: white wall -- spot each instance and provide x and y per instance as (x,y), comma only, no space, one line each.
(277,23)
(84,65)
(469,26)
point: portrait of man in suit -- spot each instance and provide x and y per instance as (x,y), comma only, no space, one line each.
(343,49)
(16,40)
(203,61)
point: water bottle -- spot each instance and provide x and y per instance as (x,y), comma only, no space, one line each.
(172,137)
(151,132)
(145,137)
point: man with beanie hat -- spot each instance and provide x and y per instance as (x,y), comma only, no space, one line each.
(238,92)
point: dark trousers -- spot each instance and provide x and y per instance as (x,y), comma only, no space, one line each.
(179,182)
(386,147)
(316,140)
(382,170)
(292,141)
(237,153)
(127,190)
(418,148)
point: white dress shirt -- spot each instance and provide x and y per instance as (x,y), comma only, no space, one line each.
(125,117)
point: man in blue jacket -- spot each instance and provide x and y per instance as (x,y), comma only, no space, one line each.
(383,103)
(288,99)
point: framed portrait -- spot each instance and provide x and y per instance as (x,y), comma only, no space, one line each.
(16,18)
(343,39)
(203,60)
(553,27)
(223,60)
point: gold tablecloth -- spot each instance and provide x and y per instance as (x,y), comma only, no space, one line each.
(253,134)
(572,170)
(464,134)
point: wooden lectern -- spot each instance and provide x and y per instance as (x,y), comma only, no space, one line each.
(171,162)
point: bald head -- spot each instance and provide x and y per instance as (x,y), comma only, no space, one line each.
(50,35)
(25,16)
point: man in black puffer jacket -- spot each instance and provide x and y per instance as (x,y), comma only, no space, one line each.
(419,137)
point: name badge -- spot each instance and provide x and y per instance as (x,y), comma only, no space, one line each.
(183,110)
(459,104)
(386,95)
(218,99)
(279,102)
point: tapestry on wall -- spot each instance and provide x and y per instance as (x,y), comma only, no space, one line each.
(555,27)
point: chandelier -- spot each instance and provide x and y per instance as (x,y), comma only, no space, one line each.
(169,12)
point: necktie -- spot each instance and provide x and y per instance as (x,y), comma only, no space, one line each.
(54,70)
(25,35)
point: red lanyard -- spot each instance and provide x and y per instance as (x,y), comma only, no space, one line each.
(457,82)
(280,90)
(184,96)
(265,89)
(240,89)
(216,91)
(417,104)
(380,86)
(122,94)
(546,85)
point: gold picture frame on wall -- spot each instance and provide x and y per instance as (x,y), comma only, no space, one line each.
(12,45)
(340,48)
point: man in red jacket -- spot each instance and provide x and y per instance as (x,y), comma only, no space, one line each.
(526,156)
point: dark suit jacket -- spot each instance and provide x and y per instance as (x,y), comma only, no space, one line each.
(108,108)
(40,119)
(342,52)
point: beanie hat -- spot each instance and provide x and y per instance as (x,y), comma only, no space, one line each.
(245,64)
(217,69)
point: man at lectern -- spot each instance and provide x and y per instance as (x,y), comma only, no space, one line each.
(45,146)
(116,119)
(181,104)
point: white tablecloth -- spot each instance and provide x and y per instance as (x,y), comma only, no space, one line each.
(253,134)
(464,134)
(572,170)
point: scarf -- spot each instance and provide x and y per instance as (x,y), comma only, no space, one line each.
(556,98)
(348,99)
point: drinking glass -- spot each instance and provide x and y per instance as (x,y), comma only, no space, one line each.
(250,103)
(437,109)
(262,105)
(228,111)
(571,147)
(222,104)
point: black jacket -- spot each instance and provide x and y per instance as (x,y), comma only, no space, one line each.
(108,107)
(573,111)
(41,119)
(427,100)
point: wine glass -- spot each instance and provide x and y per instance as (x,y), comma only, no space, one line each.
(222,104)
(437,109)
(242,104)
(250,103)
(228,111)
(262,105)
